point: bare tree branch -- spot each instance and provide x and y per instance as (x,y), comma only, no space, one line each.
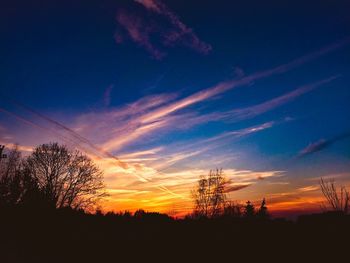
(68,179)
(337,201)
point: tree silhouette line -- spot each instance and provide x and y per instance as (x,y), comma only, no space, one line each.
(49,213)
(54,177)
(211,200)
(50,177)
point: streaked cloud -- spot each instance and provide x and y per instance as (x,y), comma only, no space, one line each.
(231,84)
(252,111)
(143,30)
(309,188)
(22,148)
(336,176)
(322,144)
(146,195)
(247,131)
(157,173)
(139,32)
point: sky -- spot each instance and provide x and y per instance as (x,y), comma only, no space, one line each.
(158,92)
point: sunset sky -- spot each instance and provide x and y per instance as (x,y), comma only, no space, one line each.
(158,92)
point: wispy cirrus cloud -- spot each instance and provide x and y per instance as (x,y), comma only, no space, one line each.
(141,175)
(181,33)
(161,112)
(253,111)
(231,84)
(123,131)
(122,126)
(308,188)
(249,130)
(138,30)
(322,144)
(153,35)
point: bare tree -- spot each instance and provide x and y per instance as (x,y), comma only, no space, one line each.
(67,178)
(10,185)
(11,163)
(17,187)
(209,195)
(338,201)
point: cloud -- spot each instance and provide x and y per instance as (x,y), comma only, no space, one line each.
(151,5)
(187,150)
(146,31)
(250,130)
(139,183)
(315,147)
(243,132)
(107,96)
(322,144)
(338,176)
(143,153)
(236,188)
(309,188)
(4,134)
(231,84)
(124,131)
(252,111)
(139,32)
(22,148)
(181,32)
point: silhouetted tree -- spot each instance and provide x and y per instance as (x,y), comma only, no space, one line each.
(67,178)
(9,165)
(209,195)
(98,212)
(10,179)
(17,186)
(337,201)
(232,210)
(139,214)
(263,212)
(249,210)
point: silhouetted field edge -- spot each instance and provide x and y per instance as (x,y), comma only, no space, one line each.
(66,235)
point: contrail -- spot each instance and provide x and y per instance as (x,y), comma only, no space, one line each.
(30,123)
(73,133)
(77,136)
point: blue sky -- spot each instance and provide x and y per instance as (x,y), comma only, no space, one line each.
(176,87)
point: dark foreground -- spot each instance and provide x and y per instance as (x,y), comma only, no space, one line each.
(67,236)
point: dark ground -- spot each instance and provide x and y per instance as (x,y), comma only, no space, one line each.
(68,236)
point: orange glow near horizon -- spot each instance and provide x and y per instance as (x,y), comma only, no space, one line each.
(170,192)
(138,185)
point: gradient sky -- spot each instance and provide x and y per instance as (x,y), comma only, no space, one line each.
(160,92)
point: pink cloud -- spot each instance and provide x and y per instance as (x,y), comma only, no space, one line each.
(150,4)
(182,33)
(146,32)
(139,32)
